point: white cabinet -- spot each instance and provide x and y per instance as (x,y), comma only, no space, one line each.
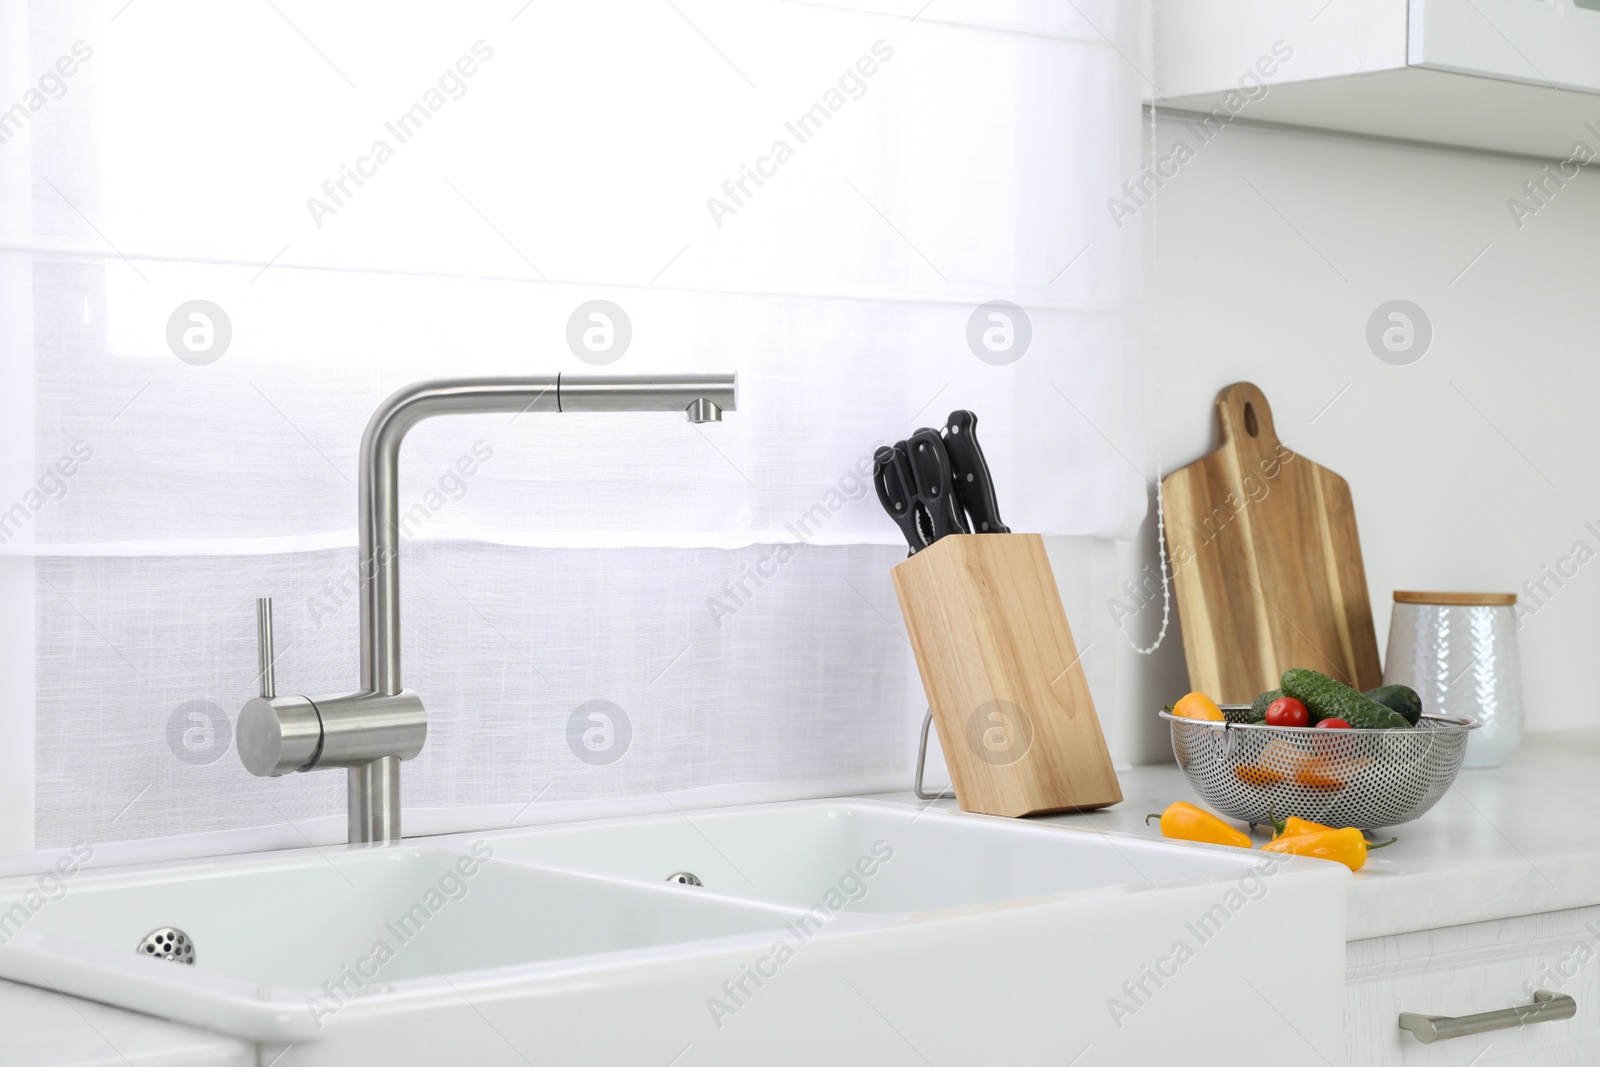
(1465,970)
(1551,43)
(1520,76)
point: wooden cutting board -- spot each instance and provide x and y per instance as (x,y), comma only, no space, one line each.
(1266,561)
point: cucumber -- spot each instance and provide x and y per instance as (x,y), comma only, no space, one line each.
(1401,698)
(1258,710)
(1328,699)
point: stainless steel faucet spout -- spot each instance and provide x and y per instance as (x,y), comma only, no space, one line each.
(379,521)
(370,731)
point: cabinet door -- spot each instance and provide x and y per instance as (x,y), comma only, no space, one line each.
(1543,42)
(1465,970)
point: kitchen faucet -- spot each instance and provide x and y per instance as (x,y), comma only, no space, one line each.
(370,731)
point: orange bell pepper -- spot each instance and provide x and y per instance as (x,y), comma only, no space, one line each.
(1329,773)
(1256,775)
(1317,774)
(1198,706)
(1345,846)
(1185,822)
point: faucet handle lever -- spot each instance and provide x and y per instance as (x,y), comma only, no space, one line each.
(275,735)
(269,687)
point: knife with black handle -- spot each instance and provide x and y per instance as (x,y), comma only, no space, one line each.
(935,482)
(974,488)
(891,476)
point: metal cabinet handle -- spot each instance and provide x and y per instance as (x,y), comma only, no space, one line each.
(1546,1007)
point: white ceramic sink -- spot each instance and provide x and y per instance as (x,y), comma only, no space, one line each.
(797,854)
(838,932)
(269,932)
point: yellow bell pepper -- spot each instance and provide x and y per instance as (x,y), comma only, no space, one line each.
(1294,826)
(1345,846)
(1185,822)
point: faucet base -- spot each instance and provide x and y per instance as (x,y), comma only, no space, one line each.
(374,802)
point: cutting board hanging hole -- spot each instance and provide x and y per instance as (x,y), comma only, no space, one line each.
(1251,426)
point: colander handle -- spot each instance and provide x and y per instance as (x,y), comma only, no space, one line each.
(1546,1007)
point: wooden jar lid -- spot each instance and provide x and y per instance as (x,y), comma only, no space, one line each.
(1456,600)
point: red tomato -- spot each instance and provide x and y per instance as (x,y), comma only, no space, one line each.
(1287,711)
(1333,724)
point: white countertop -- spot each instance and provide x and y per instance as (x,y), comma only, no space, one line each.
(1513,840)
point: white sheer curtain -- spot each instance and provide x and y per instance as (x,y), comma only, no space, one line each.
(818,196)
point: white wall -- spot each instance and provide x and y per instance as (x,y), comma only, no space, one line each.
(1472,468)
(17,468)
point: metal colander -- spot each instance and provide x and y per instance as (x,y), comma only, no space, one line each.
(1362,778)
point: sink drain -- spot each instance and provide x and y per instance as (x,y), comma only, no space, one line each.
(684,878)
(168,943)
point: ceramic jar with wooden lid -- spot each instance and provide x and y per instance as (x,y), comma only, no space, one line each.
(1459,652)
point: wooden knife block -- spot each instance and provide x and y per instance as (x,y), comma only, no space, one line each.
(1003,676)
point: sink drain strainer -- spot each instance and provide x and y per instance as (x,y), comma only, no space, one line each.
(684,878)
(168,943)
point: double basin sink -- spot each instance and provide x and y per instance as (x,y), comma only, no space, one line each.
(827,931)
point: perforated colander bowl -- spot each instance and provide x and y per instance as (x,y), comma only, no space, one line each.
(1363,778)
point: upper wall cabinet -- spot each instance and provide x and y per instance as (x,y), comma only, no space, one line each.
(1510,75)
